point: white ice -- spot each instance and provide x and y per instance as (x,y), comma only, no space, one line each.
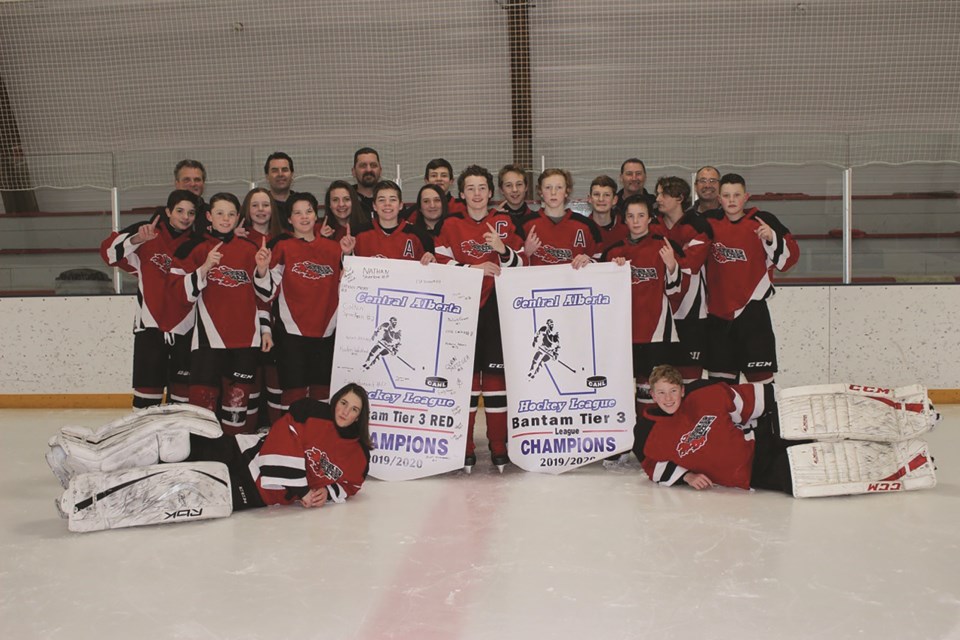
(595,553)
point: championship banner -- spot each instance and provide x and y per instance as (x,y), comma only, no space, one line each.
(567,353)
(406,333)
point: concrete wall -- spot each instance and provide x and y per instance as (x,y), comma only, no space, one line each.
(888,335)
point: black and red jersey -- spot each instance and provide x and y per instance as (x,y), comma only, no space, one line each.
(305,450)
(461,241)
(306,276)
(226,296)
(151,262)
(692,233)
(650,286)
(564,239)
(612,233)
(403,242)
(740,264)
(708,434)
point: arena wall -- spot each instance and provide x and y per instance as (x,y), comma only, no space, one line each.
(77,351)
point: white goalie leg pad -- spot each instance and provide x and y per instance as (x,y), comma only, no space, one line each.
(158,494)
(852,467)
(854,412)
(157,434)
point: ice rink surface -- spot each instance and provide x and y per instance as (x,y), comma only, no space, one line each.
(592,554)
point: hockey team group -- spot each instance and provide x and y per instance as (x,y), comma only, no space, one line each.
(236,323)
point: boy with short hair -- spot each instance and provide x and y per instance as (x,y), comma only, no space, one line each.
(603,199)
(747,245)
(390,236)
(512,180)
(440,172)
(486,240)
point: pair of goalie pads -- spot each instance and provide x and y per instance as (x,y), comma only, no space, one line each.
(143,438)
(866,439)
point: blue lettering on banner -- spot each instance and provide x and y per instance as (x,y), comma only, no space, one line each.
(432,305)
(537,446)
(389,301)
(386,396)
(414,444)
(540,302)
(580,300)
(541,405)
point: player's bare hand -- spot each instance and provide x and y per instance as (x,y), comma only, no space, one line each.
(698,481)
(314,498)
(348,242)
(266,341)
(146,232)
(325,229)
(489,268)
(668,256)
(532,243)
(492,238)
(241,231)
(264,254)
(427,258)
(764,232)
(620,261)
(581,260)
(213,259)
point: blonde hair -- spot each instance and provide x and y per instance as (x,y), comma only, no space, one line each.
(666,373)
(549,173)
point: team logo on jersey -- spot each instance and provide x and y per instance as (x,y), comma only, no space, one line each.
(312,270)
(321,465)
(694,439)
(722,254)
(475,249)
(162,261)
(553,255)
(227,277)
(642,274)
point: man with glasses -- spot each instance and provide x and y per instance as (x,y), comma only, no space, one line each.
(707,187)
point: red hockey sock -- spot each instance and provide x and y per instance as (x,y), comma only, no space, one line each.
(471,421)
(144,397)
(762,377)
(274,394)
(178,393)
(292,395)
(320,392)
(233,407)
(203,396)
(494,389)
(690,373)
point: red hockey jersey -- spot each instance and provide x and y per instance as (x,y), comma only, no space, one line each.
(564,239)
(612,233)
(306,276)
(692,233)
(226,297)
(150,262)
(740,263)
(305,450)
(650,285)
(403,242)
(708,434)
(461,242)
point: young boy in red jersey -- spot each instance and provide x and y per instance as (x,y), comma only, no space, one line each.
(691,232)
(390,236)
(224,275)
(162,326)
(603,199)
(747,245)
(512,181)
(654,275)
(555,234)
(487,240)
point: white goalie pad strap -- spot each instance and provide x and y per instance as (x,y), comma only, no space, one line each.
(853,467)
(158,494)
(157,434)
(854,412)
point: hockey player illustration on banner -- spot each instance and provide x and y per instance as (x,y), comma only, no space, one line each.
(547,341)
(388,343)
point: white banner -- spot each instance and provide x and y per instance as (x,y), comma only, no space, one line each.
(568,357)
(406,333)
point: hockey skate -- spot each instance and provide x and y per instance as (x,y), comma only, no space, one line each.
(500,461)
(469,462)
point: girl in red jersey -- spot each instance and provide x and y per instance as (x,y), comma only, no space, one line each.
(224,275)
(391,237)
(654,275)
(162,326)
(306,276)
(555,234)
(486,240)
(260,218)
(343,209)
(431,210)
